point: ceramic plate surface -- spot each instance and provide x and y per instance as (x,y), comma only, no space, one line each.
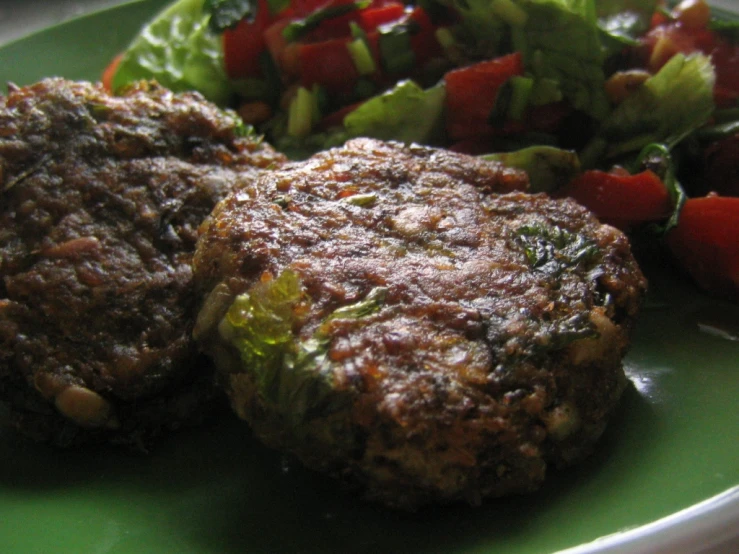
(664,478)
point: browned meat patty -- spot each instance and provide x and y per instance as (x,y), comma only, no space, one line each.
(384,314)
(100,203)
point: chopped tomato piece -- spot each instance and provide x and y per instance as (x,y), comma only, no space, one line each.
(658,18)
(283,54)
(621,199)
(423,42)
(320,54)
(301,8)
(338,26)
(332,27)
(328,64)
(371,18)
(471,94)
(705,243)
(244,44)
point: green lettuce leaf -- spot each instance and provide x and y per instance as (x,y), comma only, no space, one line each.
(293,376)
(180,51)
(642,9)
(561,41)
(227,13)
(480,22)
(665,109)
(406,113)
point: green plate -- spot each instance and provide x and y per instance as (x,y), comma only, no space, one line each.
(664,479)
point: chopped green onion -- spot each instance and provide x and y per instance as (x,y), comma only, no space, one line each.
(361,56)
(300,114)
(445,38)
(520,94)
(357,31)
(509,12)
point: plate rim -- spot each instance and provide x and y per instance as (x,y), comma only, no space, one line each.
(702,526)
(74,18)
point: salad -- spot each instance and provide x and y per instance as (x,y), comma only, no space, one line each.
(629,106)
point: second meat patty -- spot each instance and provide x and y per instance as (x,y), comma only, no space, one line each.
(100,204)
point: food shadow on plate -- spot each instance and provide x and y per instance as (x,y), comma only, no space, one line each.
(220,489)
(233,493)
(286,508)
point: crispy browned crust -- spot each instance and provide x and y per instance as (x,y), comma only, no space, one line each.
(483,365)
(100,204)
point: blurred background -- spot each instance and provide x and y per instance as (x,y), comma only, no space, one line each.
(20,17)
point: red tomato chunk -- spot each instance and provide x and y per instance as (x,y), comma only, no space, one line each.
(706,243)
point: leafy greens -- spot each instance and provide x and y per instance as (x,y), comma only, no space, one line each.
(559,40)
(667,107)
(294,376)
(179,50)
